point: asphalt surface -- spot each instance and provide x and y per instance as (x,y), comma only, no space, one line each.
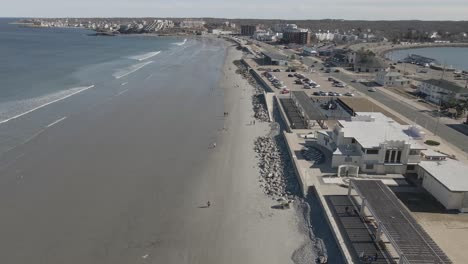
(421,118)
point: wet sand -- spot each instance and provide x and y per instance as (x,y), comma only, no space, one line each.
(126,182)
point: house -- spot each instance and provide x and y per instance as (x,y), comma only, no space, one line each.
(391,79)
(273,58)
(447,181)
(440,91)
(375,143)
(365,61)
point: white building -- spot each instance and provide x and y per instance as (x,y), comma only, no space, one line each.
(192,24)
(439,91)
(220,32)
(391,79)
(447,181)
(375,143)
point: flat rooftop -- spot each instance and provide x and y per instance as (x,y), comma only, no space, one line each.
(371,129)
(450,173)
(406,235)
(362,104)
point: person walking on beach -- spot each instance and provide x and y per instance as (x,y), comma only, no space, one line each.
(214,145)
(208,204)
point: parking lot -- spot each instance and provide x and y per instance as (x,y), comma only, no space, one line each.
(321,86)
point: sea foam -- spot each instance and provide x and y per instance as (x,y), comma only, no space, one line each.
(180,43)
(145,56)
(130,69)
(15,109)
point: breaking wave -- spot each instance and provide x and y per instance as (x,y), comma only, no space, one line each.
(145,56)
(129,70)
(180,43)
(14,109)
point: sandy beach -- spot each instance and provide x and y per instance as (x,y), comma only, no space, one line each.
(127,181)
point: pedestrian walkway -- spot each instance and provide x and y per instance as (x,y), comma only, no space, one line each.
(356,233)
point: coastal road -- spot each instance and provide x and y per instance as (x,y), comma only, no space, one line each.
(421,118)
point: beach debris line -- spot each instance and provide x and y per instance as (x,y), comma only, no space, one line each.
(277,177)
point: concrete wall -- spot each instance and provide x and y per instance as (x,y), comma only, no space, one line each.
(269,100)
(282,114)
(450,200)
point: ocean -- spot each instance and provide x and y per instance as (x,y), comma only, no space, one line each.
(49,73)
(455,57)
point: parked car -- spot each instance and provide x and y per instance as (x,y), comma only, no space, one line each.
(290,75)
(327,70)
(372,89)
(276,70)
(337,70)
(323,93)
(307,86)
(349,94)
(316,93)
(298,82)
(284,91)
(339,84)
(331,94)
(330,79)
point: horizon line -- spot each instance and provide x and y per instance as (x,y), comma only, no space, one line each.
(207,17)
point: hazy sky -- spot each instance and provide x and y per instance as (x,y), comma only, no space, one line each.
(282,9)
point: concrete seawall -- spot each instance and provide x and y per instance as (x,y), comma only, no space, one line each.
(307,182)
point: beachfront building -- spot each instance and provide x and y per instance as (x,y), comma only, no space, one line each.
(391,79)
(375,143)
(440,91)
(273,58)
(447,181)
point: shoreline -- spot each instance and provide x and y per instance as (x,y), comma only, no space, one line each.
(385,51)
(283,232)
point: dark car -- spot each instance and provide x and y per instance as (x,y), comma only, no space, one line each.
(276,70)
(336,70)
(316,93)
(290,75)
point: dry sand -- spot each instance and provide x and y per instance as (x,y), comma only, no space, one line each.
(247,230)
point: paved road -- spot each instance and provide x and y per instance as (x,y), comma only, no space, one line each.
(423,119)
